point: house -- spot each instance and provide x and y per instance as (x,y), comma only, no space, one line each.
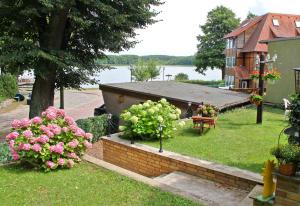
(288,51)
(120,96)
(243,44)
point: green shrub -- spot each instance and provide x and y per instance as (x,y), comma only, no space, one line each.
(181,77)
(142,121)
(5,155)
(8,85)
(98,126)
(287,153)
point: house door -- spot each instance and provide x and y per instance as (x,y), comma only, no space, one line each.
(244,84)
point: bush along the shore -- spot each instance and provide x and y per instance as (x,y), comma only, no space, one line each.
(8,85)
(48,142)
(142,121)
(98,125)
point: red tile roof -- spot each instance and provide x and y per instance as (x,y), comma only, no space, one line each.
(265,30)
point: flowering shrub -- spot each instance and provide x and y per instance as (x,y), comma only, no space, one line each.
(207,110)
(48,142)
(142,120)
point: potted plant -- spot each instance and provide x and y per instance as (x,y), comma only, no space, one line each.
(254,75)
(272,76)
(207,110)
(288,157)
(256,99)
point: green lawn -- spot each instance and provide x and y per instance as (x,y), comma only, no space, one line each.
(86,184)
(237,140)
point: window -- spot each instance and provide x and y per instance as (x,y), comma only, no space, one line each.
(230,43)
(229,80)
(275,22)
(230,62)
(297,22)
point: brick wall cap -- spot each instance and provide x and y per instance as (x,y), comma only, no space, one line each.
(288,178)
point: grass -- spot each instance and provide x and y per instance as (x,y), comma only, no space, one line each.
(86,184)
(236,141)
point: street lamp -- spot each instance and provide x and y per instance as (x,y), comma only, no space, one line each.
(109,117)
(160,128)
(297,80)
(262,61)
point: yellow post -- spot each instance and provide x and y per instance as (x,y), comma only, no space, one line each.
(269,185)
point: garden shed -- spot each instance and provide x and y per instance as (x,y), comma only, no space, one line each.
(120,96)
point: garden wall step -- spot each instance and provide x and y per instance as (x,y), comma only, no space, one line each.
(211,193)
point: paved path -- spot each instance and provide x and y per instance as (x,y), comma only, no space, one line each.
(78,104)
(208,192)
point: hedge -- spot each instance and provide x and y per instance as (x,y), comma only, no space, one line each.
(98,126)
(8,85)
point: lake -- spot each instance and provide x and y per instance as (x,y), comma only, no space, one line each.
(122,74)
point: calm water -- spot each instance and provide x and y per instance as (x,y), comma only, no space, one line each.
(122,74)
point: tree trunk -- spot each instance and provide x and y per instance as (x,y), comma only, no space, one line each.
(223,73)
(62,97)
(42,94)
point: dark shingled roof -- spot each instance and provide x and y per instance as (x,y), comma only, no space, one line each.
(182,92)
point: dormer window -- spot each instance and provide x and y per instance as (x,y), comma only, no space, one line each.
(297,22)
(275,22)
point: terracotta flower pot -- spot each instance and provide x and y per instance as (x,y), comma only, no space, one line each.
(288,169)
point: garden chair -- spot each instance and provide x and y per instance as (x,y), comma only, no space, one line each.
(286,107)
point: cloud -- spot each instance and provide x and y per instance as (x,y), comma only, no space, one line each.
(176,33)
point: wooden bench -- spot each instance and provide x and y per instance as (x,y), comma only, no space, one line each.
(203,122)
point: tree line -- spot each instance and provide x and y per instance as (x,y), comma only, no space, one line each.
(160,59)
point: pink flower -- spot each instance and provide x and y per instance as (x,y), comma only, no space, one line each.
(79,133)
(37,120)
(12,135)
(61,161)
(60,112)
(49,134)
(44,128)
(73,128)
(25,122)
(24,147)
(44,113)
(51,115)
(70,121)
(11,144)
(59,149)
(43,139)
(65,129)
(15,156)
(70,163)
(88,136)
(72,155)
(73,144)
(87,144)
(27,134)
(50,164)
(37,148)
(16,124)
(55,128)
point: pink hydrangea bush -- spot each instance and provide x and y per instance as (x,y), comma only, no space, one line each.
(51,141)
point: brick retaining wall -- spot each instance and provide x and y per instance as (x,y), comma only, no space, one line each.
(147,161)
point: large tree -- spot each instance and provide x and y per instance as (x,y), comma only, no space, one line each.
(210,54)
(61,39)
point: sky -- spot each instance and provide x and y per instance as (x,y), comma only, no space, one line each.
(176,33)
